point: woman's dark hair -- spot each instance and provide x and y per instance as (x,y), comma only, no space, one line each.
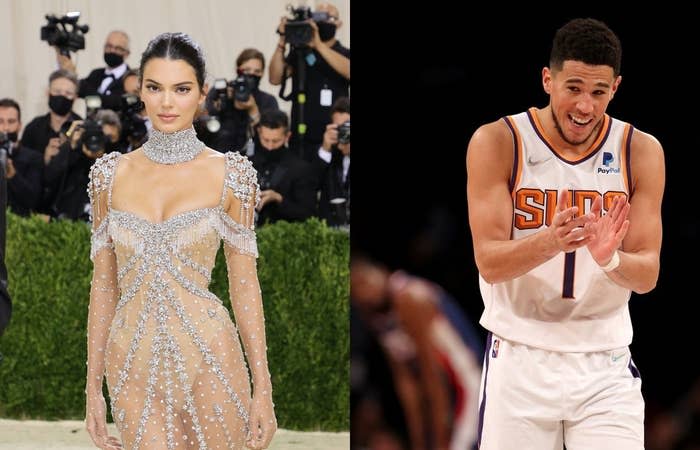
(175,46)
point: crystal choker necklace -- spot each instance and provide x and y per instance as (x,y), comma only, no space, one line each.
(173,148)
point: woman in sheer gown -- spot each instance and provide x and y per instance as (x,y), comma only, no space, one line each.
(175,369)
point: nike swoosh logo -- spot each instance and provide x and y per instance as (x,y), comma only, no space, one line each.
(534,162)
(615,358)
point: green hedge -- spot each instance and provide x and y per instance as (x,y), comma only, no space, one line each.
(304,276)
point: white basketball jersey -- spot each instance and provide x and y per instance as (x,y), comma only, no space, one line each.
(567,304)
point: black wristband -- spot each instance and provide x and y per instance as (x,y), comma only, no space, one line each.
(279,32)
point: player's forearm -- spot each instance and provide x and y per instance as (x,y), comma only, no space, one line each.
(637,271)
(436,394)
(503,260)
(409,394)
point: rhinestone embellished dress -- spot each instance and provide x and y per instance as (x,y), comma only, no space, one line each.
(171,354)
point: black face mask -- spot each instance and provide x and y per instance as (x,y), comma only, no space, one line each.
(113,59)
(270,156)
(12,136)
(254,82)
(326,31)
(60,104)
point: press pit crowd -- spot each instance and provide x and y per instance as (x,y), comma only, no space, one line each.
(47,161)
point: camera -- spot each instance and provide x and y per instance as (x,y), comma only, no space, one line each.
(93,137)
(5,150)
(217,106)
(243,87)
(265,179)
(344,133)
(298,32)
(56,33)
(220,93)
(133,126)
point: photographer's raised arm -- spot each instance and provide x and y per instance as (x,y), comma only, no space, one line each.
(338,62)
(64,62)
(277,63)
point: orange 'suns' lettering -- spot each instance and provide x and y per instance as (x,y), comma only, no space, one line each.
(529,207)
(608,198)
(533,206)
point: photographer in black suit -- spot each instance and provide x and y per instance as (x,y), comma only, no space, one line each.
(287,183)
(107,82)
(23,166)
(333,167)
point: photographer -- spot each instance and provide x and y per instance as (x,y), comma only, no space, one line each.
(68,172)
(136,125)
(333,167)
(286,182)
(237,106)
(22,166)
(43,132)
(107,82)
(321,66)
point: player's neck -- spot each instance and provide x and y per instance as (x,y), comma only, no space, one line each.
(553,134)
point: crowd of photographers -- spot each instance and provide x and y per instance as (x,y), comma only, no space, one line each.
(303,164)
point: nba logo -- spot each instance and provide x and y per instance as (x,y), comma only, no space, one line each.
(494,350)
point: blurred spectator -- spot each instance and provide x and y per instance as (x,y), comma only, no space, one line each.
(286,182)
(333,167)
(23,167)
(237,106)
(433,355)
(107,82)
(320,69)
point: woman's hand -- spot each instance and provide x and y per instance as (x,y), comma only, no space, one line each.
(263,423)
(96,423)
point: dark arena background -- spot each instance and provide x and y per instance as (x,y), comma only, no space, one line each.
(425,82)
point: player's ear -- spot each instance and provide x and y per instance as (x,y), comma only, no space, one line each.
(615,85)
(547,80)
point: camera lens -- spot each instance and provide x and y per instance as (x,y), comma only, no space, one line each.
(213,125)
(344,133)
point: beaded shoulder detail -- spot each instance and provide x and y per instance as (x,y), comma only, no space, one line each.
(242,179)
(100,180)
(101,174)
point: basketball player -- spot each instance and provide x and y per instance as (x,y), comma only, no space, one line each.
(565,214)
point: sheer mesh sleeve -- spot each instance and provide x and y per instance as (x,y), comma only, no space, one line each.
(103,288)
(240,249)
(241,187)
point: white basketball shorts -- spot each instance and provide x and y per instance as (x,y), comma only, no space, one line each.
(538,399)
